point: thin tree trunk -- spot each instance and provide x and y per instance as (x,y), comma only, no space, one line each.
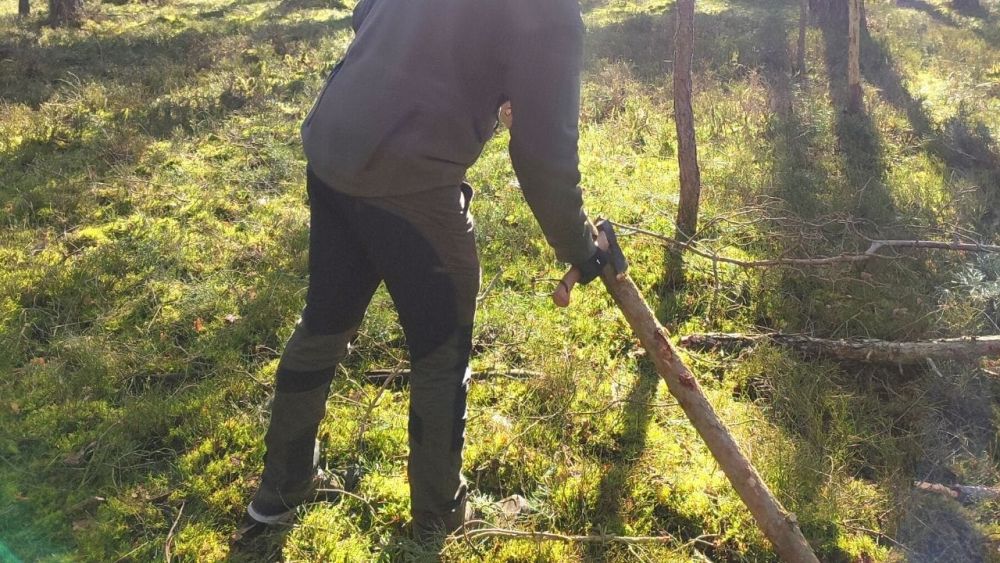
(23,8)
(968,6)
(780,526)
(857,350)
(854,94)
(65,11)
(800,66)
(687,148)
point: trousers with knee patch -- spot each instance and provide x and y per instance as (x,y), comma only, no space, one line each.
(422,247)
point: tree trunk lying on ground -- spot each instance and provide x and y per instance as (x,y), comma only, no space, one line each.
(780,526)
(858,350)
(966,494)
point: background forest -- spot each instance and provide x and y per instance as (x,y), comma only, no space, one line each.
(153,235)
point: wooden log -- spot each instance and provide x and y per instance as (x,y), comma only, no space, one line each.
(865,350)
(780,526)
(966,494)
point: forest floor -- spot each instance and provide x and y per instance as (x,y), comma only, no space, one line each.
(153,243)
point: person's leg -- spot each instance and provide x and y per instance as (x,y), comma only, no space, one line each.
(423,246)
(341,284)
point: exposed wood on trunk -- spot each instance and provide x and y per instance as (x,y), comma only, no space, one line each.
(968,494)
(857,350)
(854,95)
(778,525)
(873,251)
(687,148)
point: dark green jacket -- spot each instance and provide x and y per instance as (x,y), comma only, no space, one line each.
(416,96)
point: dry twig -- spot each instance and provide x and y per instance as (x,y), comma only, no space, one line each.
(402,376)
(871,253)
(167,555)
(550,536)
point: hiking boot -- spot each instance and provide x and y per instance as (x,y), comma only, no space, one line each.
(431,530)
(324,487)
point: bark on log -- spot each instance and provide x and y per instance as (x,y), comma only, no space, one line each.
(854,94)
(780,526)
(857,350)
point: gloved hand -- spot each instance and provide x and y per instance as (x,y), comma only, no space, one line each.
(582,273)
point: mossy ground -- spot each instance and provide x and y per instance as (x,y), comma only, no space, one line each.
(153,244)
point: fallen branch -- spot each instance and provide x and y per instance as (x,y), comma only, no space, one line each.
(402,377)
(966,494)
(168,556)
(780,526)
(871,253)
(859,350)
(550,536)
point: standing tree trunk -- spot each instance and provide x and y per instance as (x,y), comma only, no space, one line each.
(65,11)
(23,8)
(968,6)
(687,148)
(800,63)
(854,94)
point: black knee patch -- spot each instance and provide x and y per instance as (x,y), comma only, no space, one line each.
(291,381)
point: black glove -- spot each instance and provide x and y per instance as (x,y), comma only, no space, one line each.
(594,266)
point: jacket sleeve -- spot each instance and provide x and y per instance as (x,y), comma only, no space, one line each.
(544,58)
(360,12)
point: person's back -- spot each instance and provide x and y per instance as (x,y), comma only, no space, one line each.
(415,100)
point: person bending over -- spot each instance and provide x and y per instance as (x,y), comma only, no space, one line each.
(388,143)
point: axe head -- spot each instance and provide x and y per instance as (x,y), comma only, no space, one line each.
(618,261)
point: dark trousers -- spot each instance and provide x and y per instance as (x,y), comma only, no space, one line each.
(423,247)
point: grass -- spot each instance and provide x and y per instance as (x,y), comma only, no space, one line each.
(154,237)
